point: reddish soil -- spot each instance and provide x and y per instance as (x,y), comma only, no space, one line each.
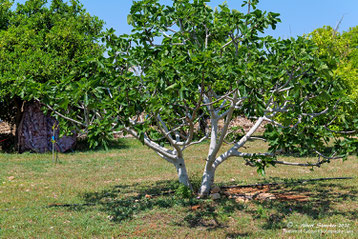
(266,192)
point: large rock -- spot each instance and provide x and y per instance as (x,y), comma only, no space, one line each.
(215,189)
(215,196)
(35,132)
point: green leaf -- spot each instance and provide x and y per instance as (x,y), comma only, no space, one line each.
(129,19)
(171,86)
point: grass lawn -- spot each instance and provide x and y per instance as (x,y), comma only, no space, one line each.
(109,194)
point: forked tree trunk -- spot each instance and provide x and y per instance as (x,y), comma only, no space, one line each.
(182,172)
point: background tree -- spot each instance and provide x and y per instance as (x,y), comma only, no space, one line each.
(41,43)
(340,49)
(186,60)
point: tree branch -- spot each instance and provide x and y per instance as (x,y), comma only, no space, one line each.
(342,131)
(242,141)
(196,142)
(65,117)
(156,147)
(317,164)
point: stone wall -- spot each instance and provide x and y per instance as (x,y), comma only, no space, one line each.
(5,128)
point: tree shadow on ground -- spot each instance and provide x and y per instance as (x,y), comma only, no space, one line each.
(123,202)
(8,145)
(83,146)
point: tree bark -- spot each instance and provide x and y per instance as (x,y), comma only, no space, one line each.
(18,118)
(207,180)
(182,172)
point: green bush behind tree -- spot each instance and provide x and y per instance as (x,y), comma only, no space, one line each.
(42,42)
(341,49)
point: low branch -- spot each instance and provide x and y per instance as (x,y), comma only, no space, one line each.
(342,131)
(282,90)
(156,147)
(196,142)
(233,150)
(308,164)
(164,130)
(225,113)
(273,122)
(224,130)
(312,115)
(220,98)
(259,138)
(299,120)
(174,130)
(325,111)
(166,158)
(65,117)
(248,155)
(326,157)
(297,164)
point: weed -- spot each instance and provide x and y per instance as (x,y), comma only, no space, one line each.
(261,212)
(183,192)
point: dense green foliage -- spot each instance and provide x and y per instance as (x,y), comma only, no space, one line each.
(341,49)
(41,43)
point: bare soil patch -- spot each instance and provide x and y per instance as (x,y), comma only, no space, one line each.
(263,193)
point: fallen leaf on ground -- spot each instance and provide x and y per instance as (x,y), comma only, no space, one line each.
(196,207)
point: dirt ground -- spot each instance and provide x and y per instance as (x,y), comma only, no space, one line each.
(246,124)
(261,193)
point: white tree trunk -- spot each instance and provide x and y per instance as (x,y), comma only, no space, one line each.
(212,163)
(208,179)
(182,173)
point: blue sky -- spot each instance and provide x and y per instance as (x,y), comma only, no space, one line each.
(298,16)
